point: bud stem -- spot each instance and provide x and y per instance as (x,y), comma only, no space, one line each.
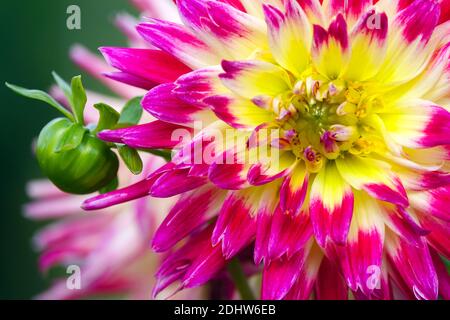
(240,280)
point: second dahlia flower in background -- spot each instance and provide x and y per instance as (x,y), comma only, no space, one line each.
(357,94)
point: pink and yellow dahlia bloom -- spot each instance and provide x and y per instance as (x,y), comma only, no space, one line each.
(349,103)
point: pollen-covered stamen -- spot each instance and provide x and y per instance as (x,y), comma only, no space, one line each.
(324,118)
(313,159)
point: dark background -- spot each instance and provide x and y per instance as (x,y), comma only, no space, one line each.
(35,41)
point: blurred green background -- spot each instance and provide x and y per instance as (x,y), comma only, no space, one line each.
(35,41)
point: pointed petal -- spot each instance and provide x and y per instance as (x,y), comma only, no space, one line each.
(178,41)
(252,78)
(330,50)
(374,177)
(408,52)
(331,206)
(293,190)
(362,255)
(269,168)
(152,65)
(443,275)
(233,33)
(238,112)
(304,285)
(193,210)
(154,135)
(162,103)
(229,171)
(369,44)
(236,226)
(415,266)
(290,36)
(175,182)
(418,124)
(193,264)
(434,202)
(350,9)
(288,234)
(280,275)
(196,86)
(438,237)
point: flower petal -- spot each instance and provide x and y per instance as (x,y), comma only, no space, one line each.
(331,206)
(233,33)
(415,266)
(288,234)
(293,190)
(280,275)
(408,52)
(434,202)
(290,36)
(374,177)
(369,44)
(238,112)
(236,225)
(154,135)
(253,78)
(162,103)
(330,50)
(330,285)
(350,9)
(418,124)
(193,210)
(361,257)
(152,65)
(178,41)
(304,285)
(175,182)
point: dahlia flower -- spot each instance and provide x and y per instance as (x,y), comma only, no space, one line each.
(349,103)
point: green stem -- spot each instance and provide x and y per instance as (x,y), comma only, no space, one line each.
(240,280)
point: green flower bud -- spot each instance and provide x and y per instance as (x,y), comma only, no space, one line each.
(73,159)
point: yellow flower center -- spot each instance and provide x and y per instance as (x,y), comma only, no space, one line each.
(324,119)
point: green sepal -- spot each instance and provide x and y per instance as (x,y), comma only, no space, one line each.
(108,117)
(113,185)
(131,158)
(64,86)
(131,112)
(71,139)
(41,96)
(79,99)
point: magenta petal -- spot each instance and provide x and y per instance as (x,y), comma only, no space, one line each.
(190,212)
(164,105)
(280,275)
(131,80)
(135,191)
(236,227)
(228,171)
(153,135)
(330,285)
(443,275)
(194,264)
(175,182)
(415,266)
(151,65)
(291,198)
(419,20)
(288,234)
(264,222)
